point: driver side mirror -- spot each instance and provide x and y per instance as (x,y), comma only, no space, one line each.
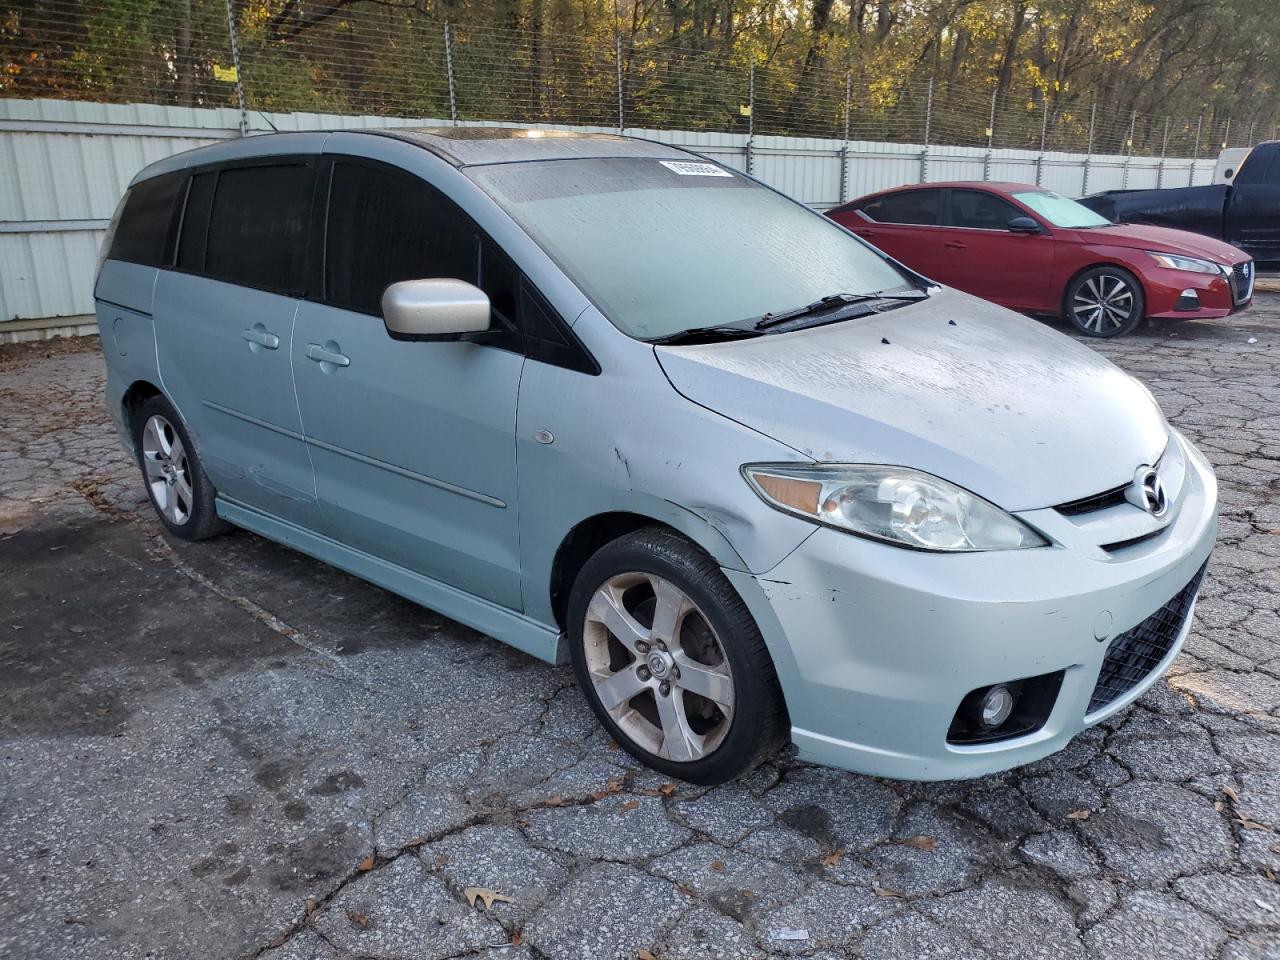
(439,309)
(1023,225)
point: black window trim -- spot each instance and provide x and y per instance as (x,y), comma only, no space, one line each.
(307,160)
(578,357)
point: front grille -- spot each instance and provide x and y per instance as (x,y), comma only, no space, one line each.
(1135,653)
(1099,501)
(1242,281)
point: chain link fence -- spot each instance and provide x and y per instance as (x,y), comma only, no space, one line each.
(395,61)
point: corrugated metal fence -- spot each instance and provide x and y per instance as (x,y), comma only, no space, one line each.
(64,165)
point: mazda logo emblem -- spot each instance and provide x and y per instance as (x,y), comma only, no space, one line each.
(1147,492)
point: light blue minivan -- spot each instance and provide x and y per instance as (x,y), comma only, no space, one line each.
(610,401)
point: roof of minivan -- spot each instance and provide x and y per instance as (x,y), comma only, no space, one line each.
(468,146)
(459,146)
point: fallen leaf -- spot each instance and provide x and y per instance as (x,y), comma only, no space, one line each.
(631,805)
(833,859)
(472,894)
(442,860)
(1219,805)
(880,891)
(718,866)
(1230,794)
(310,906)
(366,864)
(1251,824)
(920,842)
(667,789)
(612,744)
(643,954)
(359,919)
(684,888)
(613,785)
(516,939)
(555,801)
(1079,814)
(1269,874)
(415,842)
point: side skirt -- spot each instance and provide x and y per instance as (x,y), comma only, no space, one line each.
(534,638)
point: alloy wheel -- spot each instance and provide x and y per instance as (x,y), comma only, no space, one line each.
(658,667)
(1103,303)
(168,475)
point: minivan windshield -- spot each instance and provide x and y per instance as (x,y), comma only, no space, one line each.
(667,246)
(1061,211)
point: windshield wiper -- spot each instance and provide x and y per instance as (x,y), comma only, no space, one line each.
(835,301)
(705,335)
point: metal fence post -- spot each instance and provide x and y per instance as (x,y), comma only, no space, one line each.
(617,59)
(1249,140)
(235,63)
(991,132)
(448,67)
(751,117)
(1044,131)
(844,150)
(1226,135)
(1195,153)
(1128,149)
(1088,156)
(928,122)
(1164,148)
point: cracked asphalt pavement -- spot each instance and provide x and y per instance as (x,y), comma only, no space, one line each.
(229,750)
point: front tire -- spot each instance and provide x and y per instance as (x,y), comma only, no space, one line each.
(179,489)
(1105,301)
(670,659)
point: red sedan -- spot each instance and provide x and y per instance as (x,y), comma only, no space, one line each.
(1030,249)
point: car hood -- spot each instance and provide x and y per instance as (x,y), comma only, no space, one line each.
(1142,236)
(953,385)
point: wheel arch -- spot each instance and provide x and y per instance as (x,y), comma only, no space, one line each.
(591,533)
(131,401)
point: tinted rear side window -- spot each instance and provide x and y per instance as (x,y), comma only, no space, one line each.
(195,222)
(922,207)
(142,235)
(385,227)
(258,227)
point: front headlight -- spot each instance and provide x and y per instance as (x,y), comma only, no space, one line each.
(1190,264)
(894,504)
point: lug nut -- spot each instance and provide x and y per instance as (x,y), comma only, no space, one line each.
(665,688)
(641,647)
(643,673)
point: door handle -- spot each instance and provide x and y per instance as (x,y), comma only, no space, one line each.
(258,334)
(327,354)
(955,245)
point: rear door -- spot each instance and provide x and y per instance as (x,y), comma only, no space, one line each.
(1253,208)
(903,224)
(224,322)
(984,258)
(413,442)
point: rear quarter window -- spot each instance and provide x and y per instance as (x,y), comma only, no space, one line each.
(144,231)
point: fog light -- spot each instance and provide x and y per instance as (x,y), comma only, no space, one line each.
(996,706)
(1188,300)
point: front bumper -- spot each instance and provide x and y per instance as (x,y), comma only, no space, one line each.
(1214,295)
(876,645)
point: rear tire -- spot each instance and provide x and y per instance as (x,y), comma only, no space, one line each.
(1104,301)
(671,660)
(176,483)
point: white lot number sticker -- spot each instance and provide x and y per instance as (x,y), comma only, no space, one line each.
(687,169)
